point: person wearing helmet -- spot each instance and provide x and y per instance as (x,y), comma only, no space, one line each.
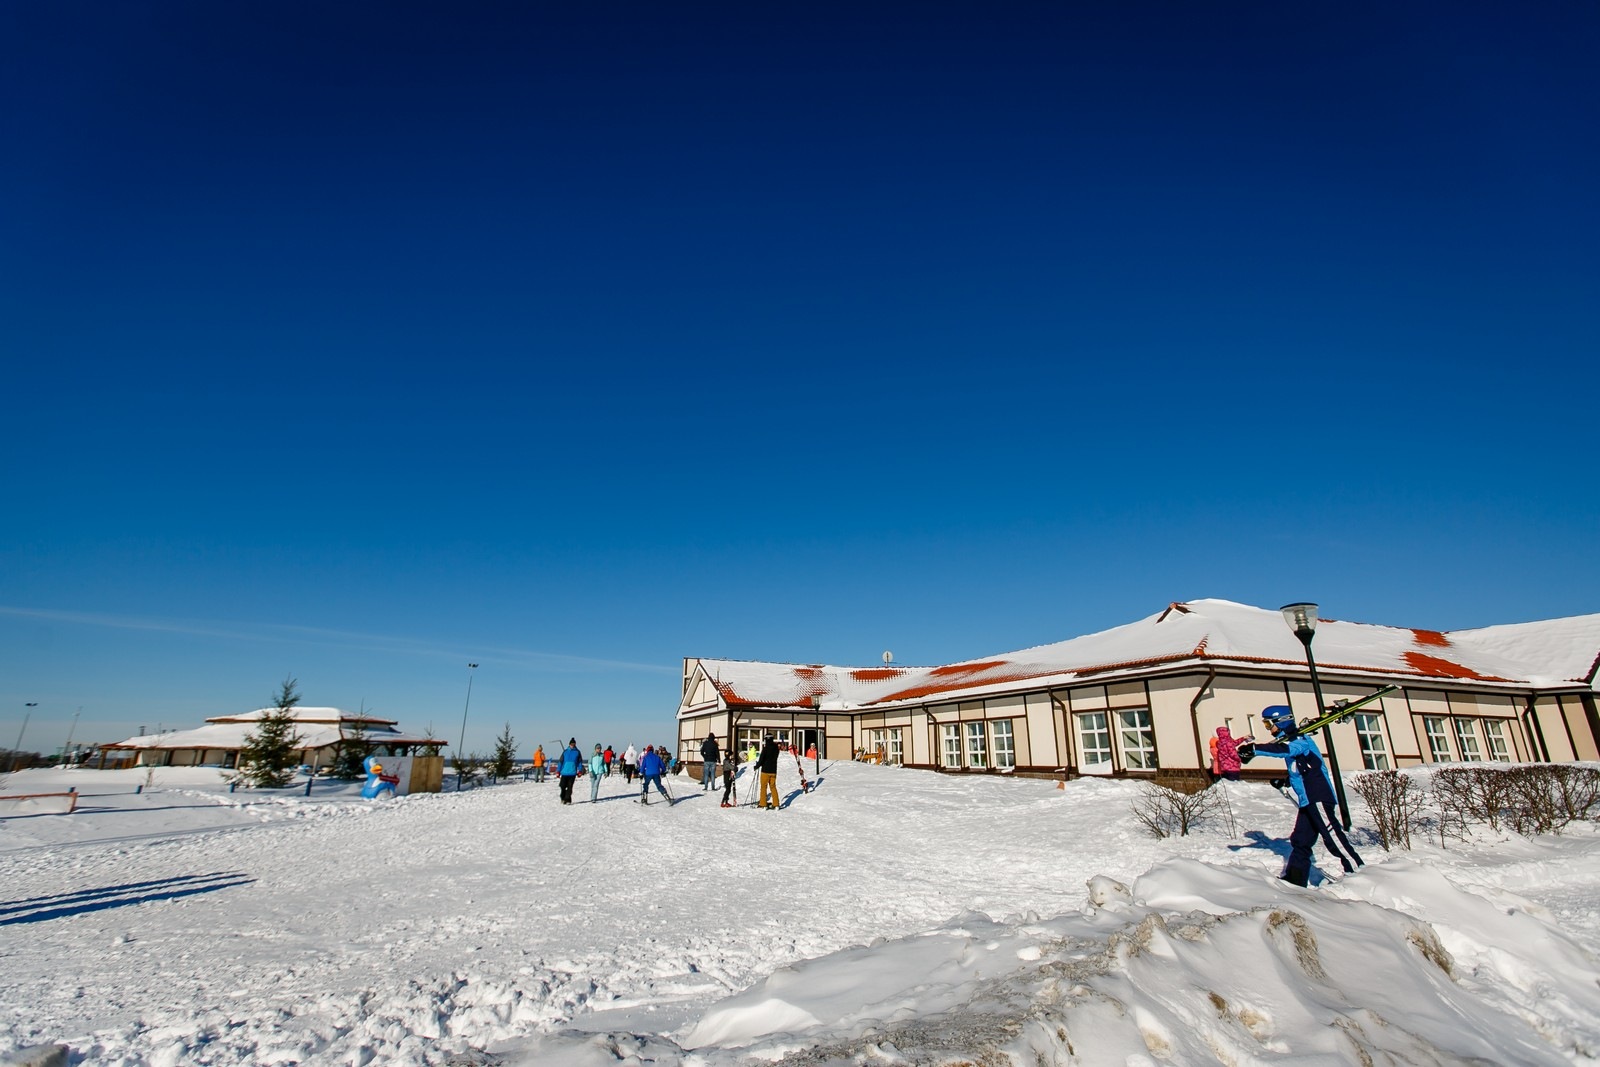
(1313,790)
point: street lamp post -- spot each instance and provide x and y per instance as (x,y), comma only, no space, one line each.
(462,746)
(816,707)
(10,763)
(1302,619)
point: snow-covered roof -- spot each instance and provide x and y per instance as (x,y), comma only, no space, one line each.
(317,727)
(1556,653)
(303,714)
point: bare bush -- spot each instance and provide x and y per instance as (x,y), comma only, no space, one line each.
(1548,796)
(1394,804)
(1453,802)
(1165,812)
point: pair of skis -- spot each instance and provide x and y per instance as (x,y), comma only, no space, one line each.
(1330,715)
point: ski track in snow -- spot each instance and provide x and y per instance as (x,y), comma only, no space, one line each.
(461,928)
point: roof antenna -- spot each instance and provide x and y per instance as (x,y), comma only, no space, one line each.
(888,658)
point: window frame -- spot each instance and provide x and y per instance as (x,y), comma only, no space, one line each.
(1435,731)
(1374,746)
(1144,757)
(1003,744)
(950,745)
(1499,749)
(1101,732)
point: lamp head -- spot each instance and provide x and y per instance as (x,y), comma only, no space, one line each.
(1302,619)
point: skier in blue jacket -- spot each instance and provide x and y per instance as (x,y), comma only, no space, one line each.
(571,761)
(650,767)
(1313,790)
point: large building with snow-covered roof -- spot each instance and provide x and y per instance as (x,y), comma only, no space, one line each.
(321,731)
(1145,698)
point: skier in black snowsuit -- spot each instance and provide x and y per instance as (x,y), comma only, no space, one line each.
(1308,777)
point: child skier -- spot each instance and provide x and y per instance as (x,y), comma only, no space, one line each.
(1313,789)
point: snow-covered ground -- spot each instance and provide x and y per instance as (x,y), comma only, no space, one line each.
(889,916)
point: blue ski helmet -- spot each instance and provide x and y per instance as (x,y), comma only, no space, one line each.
(1278,716)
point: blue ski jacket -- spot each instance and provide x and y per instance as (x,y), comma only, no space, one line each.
(650,763)
(1308,775)
(571,760)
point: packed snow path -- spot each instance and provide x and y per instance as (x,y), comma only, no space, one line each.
(190,925)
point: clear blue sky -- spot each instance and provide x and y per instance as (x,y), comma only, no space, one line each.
(356,342)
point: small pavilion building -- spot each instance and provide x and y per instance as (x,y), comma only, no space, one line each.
(322,731)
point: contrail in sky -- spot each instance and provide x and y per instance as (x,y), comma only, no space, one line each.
(283,633)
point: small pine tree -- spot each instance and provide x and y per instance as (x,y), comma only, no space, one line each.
(505,754)
(268,750)
(353,748)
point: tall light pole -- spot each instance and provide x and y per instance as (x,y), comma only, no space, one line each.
(66,749)
(816,708)
(17,751)
(461,748)
(1302,619)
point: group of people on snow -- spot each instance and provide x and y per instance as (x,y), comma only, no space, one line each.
(570,764)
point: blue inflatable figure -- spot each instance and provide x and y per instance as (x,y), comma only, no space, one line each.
(378,783)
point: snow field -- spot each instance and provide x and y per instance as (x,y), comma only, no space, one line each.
(888,916)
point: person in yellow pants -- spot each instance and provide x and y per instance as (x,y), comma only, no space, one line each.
(767,768)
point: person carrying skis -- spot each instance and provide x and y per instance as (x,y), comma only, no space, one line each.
(571,764)
(1313,789)
(650,768)
(767,768)
(710,756)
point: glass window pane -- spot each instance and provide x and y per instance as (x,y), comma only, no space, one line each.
(951,749)
(1374,752)
(976,753)
(1467,740)
(1002,743)
(1497,741)
(1094,737)
(1138,740)
(1438,739)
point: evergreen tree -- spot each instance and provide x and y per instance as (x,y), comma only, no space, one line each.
(267,754)
(505,754)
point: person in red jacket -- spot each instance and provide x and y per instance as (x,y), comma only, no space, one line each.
(609,755)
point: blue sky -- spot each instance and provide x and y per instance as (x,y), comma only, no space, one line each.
(358,344)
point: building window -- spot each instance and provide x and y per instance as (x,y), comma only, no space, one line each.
(1369,731)
(951,749)
(976,754)
(1497,741)
(1467,741)
(1438,739)
(886,743)
(1003,744)
(1138,739)
(1094,735)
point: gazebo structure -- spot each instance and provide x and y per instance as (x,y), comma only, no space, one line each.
(322,732)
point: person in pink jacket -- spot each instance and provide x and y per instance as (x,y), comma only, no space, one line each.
(1227,761)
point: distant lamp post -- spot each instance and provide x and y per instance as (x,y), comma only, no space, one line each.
(15,752)
(461,748)
(1302,619)
(816,708)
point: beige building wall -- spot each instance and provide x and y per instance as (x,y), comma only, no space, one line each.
(1174,727)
